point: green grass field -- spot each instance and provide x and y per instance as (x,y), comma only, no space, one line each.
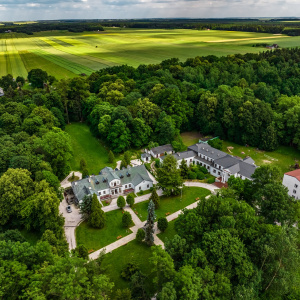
(134,251)
(88,147)
(94,239)
(172,204)
(89,51)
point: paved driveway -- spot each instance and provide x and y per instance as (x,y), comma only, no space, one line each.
(71,222)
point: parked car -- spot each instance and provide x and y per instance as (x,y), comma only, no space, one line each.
(69,209)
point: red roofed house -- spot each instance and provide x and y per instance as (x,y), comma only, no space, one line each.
(292,181)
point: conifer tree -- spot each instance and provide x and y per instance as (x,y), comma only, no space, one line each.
(97,217)
(155,199)
(111,157)
(149,227)
(184,170)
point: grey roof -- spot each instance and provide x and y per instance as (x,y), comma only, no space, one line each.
(162,149)
(182,155)
(207,150)
(144,155)
(96,183)
(249,160)
(247,169)
(227,161)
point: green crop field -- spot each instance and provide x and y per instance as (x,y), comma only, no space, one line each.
(64,54)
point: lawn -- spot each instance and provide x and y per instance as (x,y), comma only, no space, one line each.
(132,252)
(88,147)
(31,237)
(85,52)
(190,138)
(94,239)
(283,157)
(173,203)
(169,233)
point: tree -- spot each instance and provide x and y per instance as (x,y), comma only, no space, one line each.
(154,198)
(126,219)
(121,202)
(141,133)
(111,157)
(97,218)
(168,176)
(130,199)
(162,224)
(16,186)
(124,294)
(85,173)
(20,80)
(85,206)
(184,170)
(140,235)
(81,251)
(127,158)
(149,226)
(37,78)
(215,143)
(119,136)
(82,164)
(266,174)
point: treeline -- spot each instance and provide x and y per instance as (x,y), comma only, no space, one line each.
(41,26)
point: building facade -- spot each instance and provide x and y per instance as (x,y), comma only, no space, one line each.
(292,181)
(218,163)
(113,183)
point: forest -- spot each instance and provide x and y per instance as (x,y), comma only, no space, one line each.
(248,99)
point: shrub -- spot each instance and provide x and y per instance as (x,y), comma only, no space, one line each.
(81,251)
(155,199)
(140,235)
(203,169)
(200,175)
(130,200)
(121,202)
(162,224)
(192,175)
(211,180)
(126,219)
(216,143)
(111,157)
(157,162)
(129,270)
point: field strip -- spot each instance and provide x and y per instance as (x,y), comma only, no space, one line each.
(248,39)
(17,66)
(67,64)
(3,71)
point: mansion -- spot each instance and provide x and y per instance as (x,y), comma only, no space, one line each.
(113,183)
(218,163)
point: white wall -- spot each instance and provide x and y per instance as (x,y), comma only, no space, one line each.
(290,183)
(143,186)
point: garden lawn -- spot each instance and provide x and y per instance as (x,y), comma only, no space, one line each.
(169,232)
(94,239)
(283,157)
(173,203)
(88,147)
(132,252)
(190,138)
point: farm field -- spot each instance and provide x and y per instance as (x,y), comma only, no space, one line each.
(64,54)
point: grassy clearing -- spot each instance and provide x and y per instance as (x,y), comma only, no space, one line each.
(132,252)
(31,237)
(190,138)
(94,239)
(169,233)
(88,147)
(133,46)
(173,203)
(283,157)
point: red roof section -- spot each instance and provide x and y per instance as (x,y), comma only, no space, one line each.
(295,173)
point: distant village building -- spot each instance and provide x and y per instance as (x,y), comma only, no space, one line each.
(113,183)
(292,181)
(271,47)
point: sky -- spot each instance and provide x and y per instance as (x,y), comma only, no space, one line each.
(24,10)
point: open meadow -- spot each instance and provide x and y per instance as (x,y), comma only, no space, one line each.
(64,54)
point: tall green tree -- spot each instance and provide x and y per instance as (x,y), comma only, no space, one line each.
(184,170)
(168,176)
(119,136)
(97,217)
(154,198)
(149,226)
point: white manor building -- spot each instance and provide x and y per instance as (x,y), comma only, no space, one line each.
(292,181)
(218,163)
(113,183)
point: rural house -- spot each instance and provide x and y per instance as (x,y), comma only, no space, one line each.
(113,183)
(160,150)
(292,181)
(218,163)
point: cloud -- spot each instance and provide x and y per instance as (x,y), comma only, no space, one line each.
(11,10)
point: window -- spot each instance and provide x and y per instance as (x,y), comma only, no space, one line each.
(104,192)
(191,159)
(99,193)
(140,188)
(214,171)
(126,186)
(114,183)
(147,185)
(293,196)
(129,185)
(296,185)
(294,191)
(219,173)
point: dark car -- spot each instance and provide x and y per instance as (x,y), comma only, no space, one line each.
(69,209)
